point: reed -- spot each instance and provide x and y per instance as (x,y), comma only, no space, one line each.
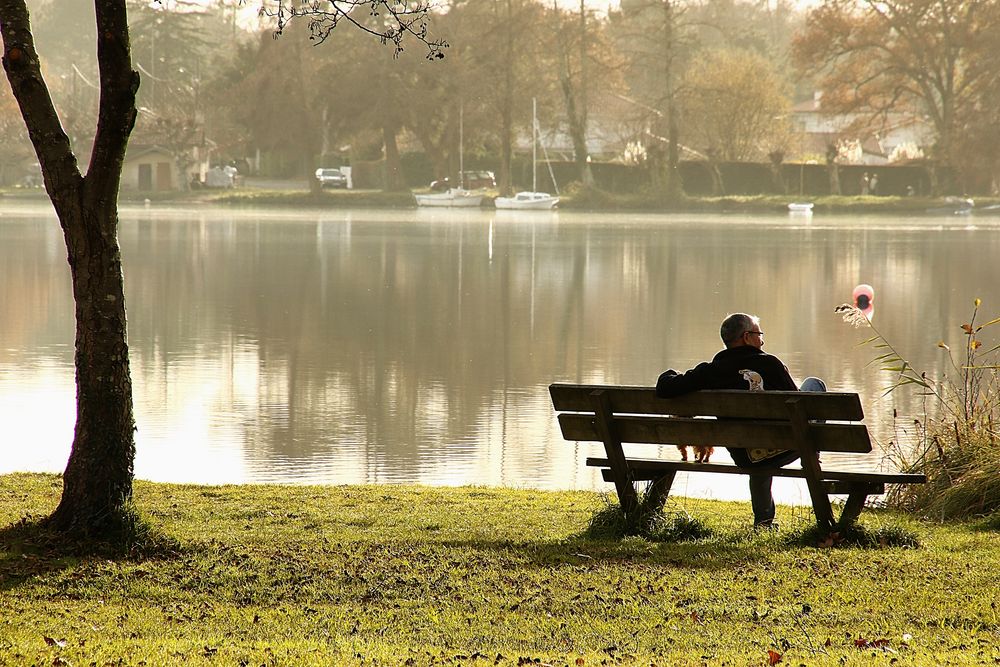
(958,439)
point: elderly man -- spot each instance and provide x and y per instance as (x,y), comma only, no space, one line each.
(744,352)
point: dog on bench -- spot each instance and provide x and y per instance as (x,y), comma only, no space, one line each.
(702,453)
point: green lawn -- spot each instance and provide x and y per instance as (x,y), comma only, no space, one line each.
(279,575)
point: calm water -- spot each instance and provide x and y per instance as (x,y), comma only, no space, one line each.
(412,346)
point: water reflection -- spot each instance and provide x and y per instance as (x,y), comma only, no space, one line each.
(382,346)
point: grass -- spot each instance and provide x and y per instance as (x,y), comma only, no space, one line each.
(270,575)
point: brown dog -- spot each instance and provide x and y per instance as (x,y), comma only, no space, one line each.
(701,452)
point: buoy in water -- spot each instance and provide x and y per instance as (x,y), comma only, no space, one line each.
(864,299)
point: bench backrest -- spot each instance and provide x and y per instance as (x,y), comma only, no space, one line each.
(742,418)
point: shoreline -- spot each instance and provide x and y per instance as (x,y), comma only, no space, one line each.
(286,195)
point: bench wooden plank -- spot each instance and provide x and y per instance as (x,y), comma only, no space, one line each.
(662,482)
(647,469)
(831,406)
(717,432)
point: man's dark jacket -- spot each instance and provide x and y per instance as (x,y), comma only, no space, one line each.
(723,372)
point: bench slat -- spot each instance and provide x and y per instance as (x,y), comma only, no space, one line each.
(717,432)
(831,486)
(721,403)
(645,469)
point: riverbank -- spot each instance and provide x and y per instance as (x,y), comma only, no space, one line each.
(272,193)
(602,201)
(283,575)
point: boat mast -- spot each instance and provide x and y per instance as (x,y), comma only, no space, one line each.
(534,144)
(461,147)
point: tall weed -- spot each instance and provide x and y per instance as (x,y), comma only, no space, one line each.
(958,446)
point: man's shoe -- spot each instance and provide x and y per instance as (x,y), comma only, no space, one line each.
(770,524)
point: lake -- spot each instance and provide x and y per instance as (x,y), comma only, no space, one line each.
(383,346)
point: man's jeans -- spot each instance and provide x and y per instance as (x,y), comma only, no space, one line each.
(760,484)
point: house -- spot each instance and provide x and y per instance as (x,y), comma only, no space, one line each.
(900,137)
(154,168)
(150,169)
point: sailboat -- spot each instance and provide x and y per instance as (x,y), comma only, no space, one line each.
(454,197)
(533,200)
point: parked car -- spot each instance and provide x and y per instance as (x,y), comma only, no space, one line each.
(331,178)
(473,180)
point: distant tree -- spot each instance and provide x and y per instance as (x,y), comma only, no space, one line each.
(657,41)
(765,28)
(913,56)
(97,482)
(511,59)
(734,103)
(14,146)
(574,83)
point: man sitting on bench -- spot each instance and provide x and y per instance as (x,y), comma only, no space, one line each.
(744,352)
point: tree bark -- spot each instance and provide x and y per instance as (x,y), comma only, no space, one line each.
(97,483)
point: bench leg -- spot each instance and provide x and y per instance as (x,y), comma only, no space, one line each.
(810,464)
(852,508)
(604,419)
(658,491)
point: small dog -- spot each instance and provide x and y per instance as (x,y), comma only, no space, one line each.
(701,452)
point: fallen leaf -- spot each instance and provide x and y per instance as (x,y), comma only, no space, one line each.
(773,657)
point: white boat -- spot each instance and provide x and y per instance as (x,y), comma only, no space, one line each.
(534,200)
(453,198)
(801,207)
(527,201)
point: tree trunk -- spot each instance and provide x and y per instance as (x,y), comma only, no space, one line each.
(675,188)
(97,483)
(394,180)
(718,187)
(832,168)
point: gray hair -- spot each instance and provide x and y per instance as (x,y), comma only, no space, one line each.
(736,325)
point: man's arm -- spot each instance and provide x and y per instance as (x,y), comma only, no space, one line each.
(671,383)
(781,379)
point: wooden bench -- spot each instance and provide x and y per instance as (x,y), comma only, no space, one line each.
(808,422)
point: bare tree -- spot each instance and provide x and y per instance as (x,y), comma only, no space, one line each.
(655,40)
(915,56)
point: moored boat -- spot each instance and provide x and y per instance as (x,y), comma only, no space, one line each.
(453,198)
(534,200)
(531,201)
